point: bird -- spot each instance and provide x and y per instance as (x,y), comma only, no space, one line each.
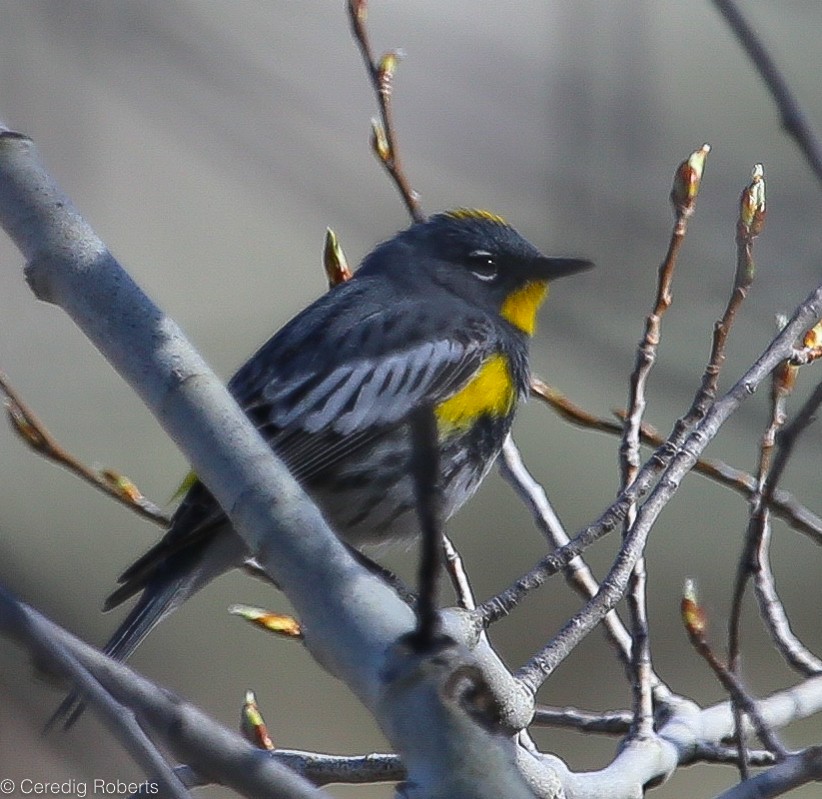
(439,315)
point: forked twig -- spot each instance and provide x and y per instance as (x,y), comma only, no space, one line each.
(677,458)
(577,573)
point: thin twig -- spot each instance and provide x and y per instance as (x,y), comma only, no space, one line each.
(776,619)
(35,434)
(794,119)
(791,432)
(687,180)
(694,619)
(749,224)
(614,722)
(384,141)
(459,577)
(757,538)
(716,753)
(796,654)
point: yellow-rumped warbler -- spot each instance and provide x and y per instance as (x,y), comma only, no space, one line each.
(438,315)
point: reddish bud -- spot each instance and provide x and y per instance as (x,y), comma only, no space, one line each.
(252,724)
(386,69)
(334,260)
(688,178)
(752,203)
(24,426)
(784,378)
(379,141)
(121,484)
(693,617)
(813,338)
(359,9)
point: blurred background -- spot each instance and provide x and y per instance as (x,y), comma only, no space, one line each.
(211,143)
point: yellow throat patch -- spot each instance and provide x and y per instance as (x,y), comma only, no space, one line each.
(521,306)
(490,392)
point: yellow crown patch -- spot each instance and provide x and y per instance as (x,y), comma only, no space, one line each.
(475,213)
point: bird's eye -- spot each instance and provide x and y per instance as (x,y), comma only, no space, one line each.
(483,265)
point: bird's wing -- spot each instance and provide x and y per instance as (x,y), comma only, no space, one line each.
(318,393)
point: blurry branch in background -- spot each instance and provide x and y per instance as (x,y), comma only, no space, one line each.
(794,119)
(17,621)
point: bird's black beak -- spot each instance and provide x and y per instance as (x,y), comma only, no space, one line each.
(551,268)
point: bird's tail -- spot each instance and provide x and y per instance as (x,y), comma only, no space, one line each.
(165,578)
(154,603)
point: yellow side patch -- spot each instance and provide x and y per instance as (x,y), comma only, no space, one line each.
(521,306)
(490,392)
